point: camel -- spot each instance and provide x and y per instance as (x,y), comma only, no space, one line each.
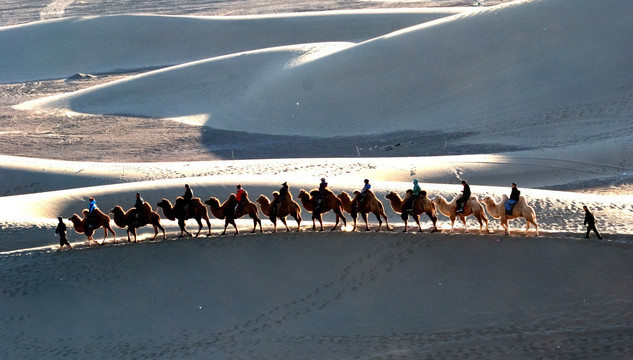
(128,220)
(520,209)
(196,210)
(471,207)
(422,205)
(370,205)
(289,207)
(331,202)
(226,212)
(101,220)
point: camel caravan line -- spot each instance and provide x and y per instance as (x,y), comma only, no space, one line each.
(316,202)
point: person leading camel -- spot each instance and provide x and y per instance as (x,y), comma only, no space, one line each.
(464,198)
(416,193)
(61,230)
(514,198)
(590,221)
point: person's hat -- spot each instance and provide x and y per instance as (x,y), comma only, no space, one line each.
(515,184)
(366,180)
(322,179)
(415,181)
(91,198)
(238,186)
(285,184)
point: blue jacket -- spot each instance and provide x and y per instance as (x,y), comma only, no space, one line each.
(92,206)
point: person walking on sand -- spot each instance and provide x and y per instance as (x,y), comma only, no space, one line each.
(462,199)
(590,221)
(61,230)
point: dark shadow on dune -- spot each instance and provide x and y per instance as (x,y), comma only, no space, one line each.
(243,145)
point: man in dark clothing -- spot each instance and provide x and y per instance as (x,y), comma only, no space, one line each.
(319,200)
(590,221)
(61,230)
(188,194)
(138,207)
(464,198)
(514,198)
(283,192)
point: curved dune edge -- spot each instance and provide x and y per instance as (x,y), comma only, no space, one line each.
(450,75)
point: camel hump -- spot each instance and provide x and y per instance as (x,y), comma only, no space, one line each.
(423,193)
(147,207)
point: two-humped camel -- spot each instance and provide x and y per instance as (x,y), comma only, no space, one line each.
(99,220)
(288,207)
(371,204)
(471,207)
(422,205)
(227,212)
(130,221)
(178,212)
(330,202)
(521,209)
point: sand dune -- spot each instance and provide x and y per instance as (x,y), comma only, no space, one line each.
(103,44)
(549,79)
(533,57)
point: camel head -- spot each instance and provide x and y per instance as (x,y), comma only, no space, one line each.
(344,195)
(438,199)
(262,199)
(116,209)
(164,204)
(214,203)
(392,196)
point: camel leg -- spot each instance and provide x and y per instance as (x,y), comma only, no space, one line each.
(298,220)
(274,220)
(452,223)
(283,221)
(379,221)
(235,226)
(155,232)
(364,216)
(105,235)
(208,225)
(463,218)
(535,227)
(254,225)
(417,221)
(504,224)
(389,228)
(335,225)
(405,218)
(183,230)
(354,217)
(434,220)
(199,221)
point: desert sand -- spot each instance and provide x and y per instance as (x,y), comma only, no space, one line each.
(107,101)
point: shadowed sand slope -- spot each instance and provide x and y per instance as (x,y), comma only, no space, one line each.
(312,296)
